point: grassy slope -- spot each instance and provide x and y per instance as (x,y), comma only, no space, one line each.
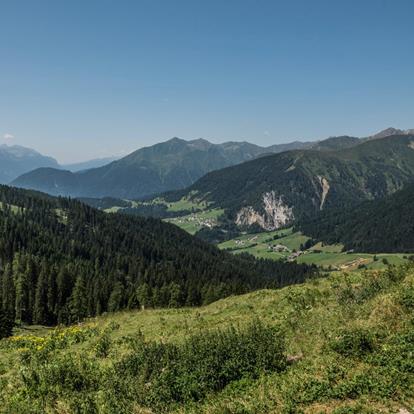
(330,255)
(311,315)
(194,222)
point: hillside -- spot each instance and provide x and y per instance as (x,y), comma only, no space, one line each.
(276,190)
(337,345)
(62,260)
(16,160)
(385,225)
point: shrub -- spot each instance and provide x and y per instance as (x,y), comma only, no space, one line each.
(103,345)
(166,373)
(357,342)
(406,298)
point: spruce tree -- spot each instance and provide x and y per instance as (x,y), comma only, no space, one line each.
(40,311)
(78,301)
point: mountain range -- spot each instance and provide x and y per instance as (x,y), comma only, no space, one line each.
(167,166)
(277,190)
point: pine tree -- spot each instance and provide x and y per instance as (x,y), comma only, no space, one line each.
(115,301)
(144,295)
(40,311)
(8,292)
(78,301)
(6,325)
(21,288)
(175,295)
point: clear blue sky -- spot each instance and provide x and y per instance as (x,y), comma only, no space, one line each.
(87,78)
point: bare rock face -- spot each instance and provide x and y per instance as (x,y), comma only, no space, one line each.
(325,189)
(276,213)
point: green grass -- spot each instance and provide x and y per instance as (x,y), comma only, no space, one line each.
(349,333)
(196,221)
(186,203)
(328,248)
(324,256)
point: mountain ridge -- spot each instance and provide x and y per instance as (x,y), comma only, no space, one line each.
(167,166)
(273,191)
(170,165)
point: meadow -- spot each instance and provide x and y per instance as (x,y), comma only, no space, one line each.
(328,257)
(339,344)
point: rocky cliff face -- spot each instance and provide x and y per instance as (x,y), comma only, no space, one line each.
(325,190)
(276,213)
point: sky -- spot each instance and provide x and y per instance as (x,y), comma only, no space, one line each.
(85,79)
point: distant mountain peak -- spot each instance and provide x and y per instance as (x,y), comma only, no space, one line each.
(16,160)
(388,132)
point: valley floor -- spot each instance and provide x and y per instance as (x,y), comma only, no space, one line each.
(287,244)
(349,339)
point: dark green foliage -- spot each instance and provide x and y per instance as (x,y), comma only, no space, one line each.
(407,298)
(204,363)
(385,225)
(354,343)
(6,324)
(153,374)
(63,260)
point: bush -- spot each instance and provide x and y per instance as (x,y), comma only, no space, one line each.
(406,298)
(357,343)
(204,363)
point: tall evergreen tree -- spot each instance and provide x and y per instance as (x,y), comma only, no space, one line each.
(116,298)
(8,292)
(78,301)
(40,311)
(6,324)
(20,276)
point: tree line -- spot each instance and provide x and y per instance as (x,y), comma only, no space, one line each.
(385,225)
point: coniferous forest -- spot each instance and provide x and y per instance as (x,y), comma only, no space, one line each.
(385,225)
(63,260)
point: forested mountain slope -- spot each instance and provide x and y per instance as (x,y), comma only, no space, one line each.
(276,190)
(385,225)
(62,260)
